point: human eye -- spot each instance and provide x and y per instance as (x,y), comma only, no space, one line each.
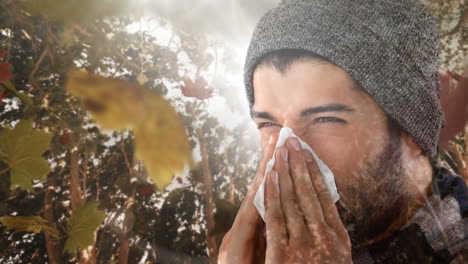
(265,124)
(327,119)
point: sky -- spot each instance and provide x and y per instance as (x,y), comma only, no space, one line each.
(229,23)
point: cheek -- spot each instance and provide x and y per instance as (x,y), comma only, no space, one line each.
(339,155)
(346,153)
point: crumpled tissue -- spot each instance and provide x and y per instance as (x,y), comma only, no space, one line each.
(326,173)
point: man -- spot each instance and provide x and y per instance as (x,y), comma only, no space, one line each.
(357,80)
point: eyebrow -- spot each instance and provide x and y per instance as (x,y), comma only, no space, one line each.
(326,108)
(333,107)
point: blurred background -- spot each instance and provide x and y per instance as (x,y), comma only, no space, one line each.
(189,52)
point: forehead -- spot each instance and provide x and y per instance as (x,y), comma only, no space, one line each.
(302,84)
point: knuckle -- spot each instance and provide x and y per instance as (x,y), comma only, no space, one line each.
(323,192)
(303,187)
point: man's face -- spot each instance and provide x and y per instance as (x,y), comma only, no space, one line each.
(346,128)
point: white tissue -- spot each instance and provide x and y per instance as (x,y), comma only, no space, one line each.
(326,173)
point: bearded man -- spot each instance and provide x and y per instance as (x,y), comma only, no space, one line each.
(357,81)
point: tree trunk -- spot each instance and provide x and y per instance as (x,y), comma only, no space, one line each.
(54,248)
(209,207)
(124,246)
(87,255)
(75,185)
(231,187)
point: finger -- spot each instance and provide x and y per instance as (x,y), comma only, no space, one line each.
(275,226)
(267,155)
(330,213)
(306,194)
(294,218)
(248,217)
(247,205)
(261,244)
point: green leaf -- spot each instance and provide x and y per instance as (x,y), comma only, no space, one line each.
(33,224)
(81,225)
(10,87)
(21,148)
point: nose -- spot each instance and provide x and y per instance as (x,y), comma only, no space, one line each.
(297,127)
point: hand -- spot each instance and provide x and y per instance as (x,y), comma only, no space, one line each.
(245,241)
(302,222)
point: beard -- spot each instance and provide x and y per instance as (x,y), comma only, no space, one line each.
(378,198)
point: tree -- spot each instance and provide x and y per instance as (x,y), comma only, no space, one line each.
(88,163)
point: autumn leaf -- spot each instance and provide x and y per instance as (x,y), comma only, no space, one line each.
(33,224)
(5,72)
(196,89)
(21,148)
(81,226)
(160,139)
(5,76)
(64,138)
(5,69)
(147,190)
(454,102)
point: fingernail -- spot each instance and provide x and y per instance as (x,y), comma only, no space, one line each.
(308,156)
(284,153)
(295,144)
(271,140)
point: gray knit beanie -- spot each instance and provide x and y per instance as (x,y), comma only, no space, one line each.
(391,47)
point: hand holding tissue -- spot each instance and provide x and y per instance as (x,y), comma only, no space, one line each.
(326,173)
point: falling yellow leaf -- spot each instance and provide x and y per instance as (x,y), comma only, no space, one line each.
(160,139)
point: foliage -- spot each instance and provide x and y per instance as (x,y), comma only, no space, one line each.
(43,46)
(197,89)
(452,23)
(117,104)
(21,149)
(8,86)
(81,226)
(27,224)
(5,69)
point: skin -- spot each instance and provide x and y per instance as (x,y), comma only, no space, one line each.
(352,138)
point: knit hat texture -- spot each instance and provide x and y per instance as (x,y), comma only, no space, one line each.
(391,47)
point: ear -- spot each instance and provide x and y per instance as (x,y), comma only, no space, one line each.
(417,166)
(410,146)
